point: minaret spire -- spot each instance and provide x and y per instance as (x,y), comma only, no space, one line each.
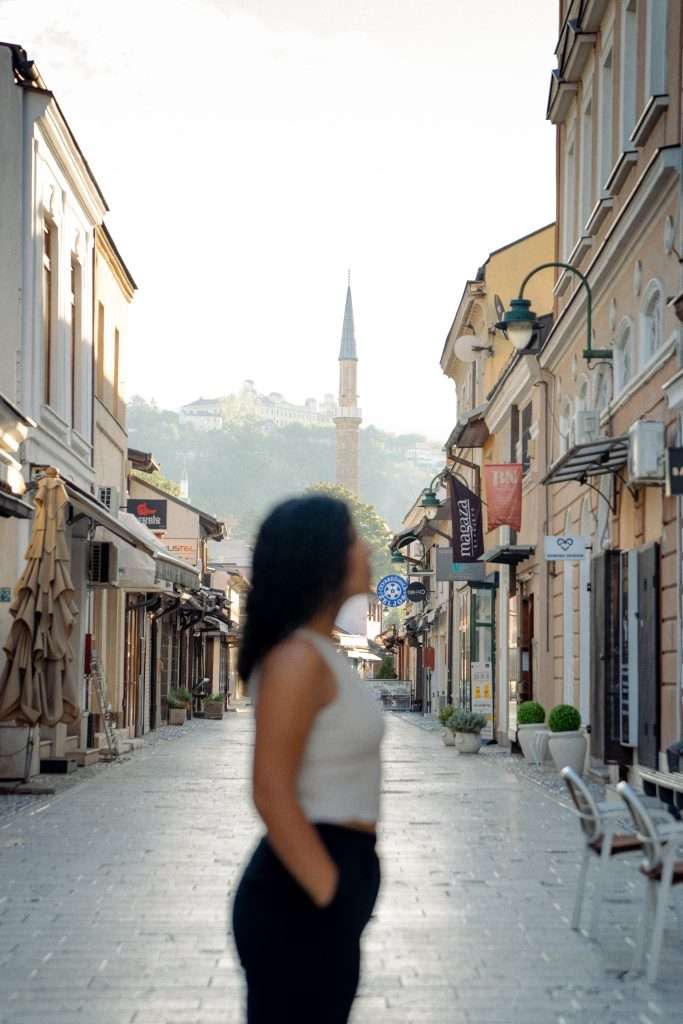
(349,417)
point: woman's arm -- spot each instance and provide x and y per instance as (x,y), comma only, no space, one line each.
(295,684)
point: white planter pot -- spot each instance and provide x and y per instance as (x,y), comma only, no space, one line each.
(526,736)
(568,749)
(448,738)
(467,742)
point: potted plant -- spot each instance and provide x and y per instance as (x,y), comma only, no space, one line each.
(176,708)
(567,744)
(530,721)
(444,717)
(214,705)
(466,727)
(185,697)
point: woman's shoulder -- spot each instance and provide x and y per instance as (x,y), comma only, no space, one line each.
(295,662)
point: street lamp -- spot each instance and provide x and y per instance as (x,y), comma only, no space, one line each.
(519,321)
(430,504)
(398,559)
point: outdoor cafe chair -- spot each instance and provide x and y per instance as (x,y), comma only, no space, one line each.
(599,824)
(662,844)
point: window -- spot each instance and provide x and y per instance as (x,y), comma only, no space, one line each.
(655,48)
(75,303)
(569,195)
(49,281)
(628,71)
(582,395)
(526,437)
(603,389)
(624,357)
(586,161)
(566,426)
(606,102)
(99,381)
(651,322)
(116,391)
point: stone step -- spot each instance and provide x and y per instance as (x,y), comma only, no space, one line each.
(71,743)
(84,757)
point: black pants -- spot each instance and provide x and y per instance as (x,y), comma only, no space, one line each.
(303,963)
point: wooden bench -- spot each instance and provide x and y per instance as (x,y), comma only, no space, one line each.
(667,786)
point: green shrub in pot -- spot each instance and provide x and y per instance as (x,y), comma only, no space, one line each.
(564,718)
(466,721)
(530,712)
(445,714)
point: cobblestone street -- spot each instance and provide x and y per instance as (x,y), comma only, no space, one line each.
(113,902)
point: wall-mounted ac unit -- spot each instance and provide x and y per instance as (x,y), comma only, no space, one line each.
(646,453)
(109,496)
(103,564)
(586,426)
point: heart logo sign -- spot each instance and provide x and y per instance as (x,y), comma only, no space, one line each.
(565,543)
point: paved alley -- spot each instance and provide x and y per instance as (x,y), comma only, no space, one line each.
(114,896)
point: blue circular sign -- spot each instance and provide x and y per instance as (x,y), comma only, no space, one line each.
(391,590)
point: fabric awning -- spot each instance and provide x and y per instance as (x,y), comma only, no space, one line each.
(508,554)
(149,567)
(87,505)
(12,507)
(594,458)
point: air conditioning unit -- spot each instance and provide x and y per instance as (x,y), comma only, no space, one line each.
(109,496)
(103,564)
(586,426)
(646,452)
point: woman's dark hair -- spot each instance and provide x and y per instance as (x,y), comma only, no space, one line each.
(299,566)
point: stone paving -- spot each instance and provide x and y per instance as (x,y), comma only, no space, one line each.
(115,893)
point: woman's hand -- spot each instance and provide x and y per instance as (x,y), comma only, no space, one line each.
(295,685)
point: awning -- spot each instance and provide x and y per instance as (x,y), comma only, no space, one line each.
(471,430)
(12,507)
(362,656)
(594,458)
(403,540)
(508,554)
(149,567)
(87,505)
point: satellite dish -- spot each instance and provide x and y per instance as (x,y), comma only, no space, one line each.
(467,347)
(500,308)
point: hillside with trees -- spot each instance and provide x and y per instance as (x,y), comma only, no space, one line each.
(239,472)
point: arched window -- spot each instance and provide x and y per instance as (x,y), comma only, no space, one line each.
(651,321)
(566,425)
(624,356)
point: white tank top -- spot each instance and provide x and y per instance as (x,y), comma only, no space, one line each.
(340,773)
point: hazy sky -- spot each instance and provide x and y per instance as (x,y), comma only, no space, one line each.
(252,151)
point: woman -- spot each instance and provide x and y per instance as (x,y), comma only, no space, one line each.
(310,887)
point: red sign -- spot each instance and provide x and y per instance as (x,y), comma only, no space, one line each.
(429,658)
(504,495)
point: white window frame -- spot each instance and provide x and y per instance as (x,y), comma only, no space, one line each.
(625,337)
(602,374)
(654,287)
(587,177)
(566,425)
(606,120)
(569,192)
(655,48)
(628,72)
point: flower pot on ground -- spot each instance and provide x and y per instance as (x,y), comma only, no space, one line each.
(444,717)
(214,706)
(185,698)
(176,712)
(567,744)
(466,727)
(530,720)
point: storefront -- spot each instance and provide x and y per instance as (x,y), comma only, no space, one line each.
(476,682)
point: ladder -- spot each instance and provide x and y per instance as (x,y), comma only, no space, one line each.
(105,708)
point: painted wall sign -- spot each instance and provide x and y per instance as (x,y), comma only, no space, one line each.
(188,549)
(150,511)
(504,495)
(567,548)
(391,590)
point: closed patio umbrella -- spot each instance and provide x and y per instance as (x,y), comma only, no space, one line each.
(38,684)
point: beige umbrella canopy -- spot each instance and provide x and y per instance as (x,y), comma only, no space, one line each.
(38,683)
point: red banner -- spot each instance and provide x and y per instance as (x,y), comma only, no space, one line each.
(504,495)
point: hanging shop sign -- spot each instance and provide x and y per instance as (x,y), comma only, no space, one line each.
(674,472)
(504,495)
(392,590)
(482,695)
(468,532)
(448,571)
(567,548)
(416,591)
(150,511)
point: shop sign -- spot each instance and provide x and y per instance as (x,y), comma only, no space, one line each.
(151,512)
(185,549)
(674,472)
(567,548)
(416,591)
(448,571)
(482,695)
(392,590)
(468,532)
(504,495)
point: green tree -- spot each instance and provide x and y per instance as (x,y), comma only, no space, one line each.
(370,525)
(157,480)
(386,668)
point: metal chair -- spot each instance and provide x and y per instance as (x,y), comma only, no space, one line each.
(599,822)
(661,844)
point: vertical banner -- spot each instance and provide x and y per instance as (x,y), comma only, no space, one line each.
(504,495)
(468,532)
